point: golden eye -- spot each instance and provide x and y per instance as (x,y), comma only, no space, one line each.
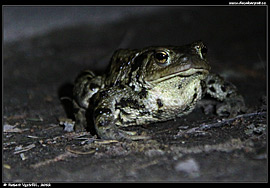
(161,57)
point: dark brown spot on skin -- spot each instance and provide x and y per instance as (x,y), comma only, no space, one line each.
(187,108)
(143,93)
(121,104)
(211,82)
(127,102)
(194,97)
(144,113)
(159,103)
(203,86)
(136,65)
(223,88)
(212,89)
(120,118)
(160,111)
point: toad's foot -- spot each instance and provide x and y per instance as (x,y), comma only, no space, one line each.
(230,108)
(114,133)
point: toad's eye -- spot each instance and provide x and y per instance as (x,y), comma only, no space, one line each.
(204,51)
(201,50)
(161,57)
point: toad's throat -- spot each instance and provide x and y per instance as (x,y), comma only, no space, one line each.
(183,73)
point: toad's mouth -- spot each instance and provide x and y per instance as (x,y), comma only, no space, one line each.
(183,73)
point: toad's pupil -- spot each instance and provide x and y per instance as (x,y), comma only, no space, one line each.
(161,56)
(204,50)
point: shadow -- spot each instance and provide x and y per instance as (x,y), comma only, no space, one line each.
(90,122)
(65,95)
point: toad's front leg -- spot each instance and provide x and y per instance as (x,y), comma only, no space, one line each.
(105,118)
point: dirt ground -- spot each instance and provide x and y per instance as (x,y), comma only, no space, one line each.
(38,73)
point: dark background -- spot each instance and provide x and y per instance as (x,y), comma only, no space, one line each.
(46,47)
